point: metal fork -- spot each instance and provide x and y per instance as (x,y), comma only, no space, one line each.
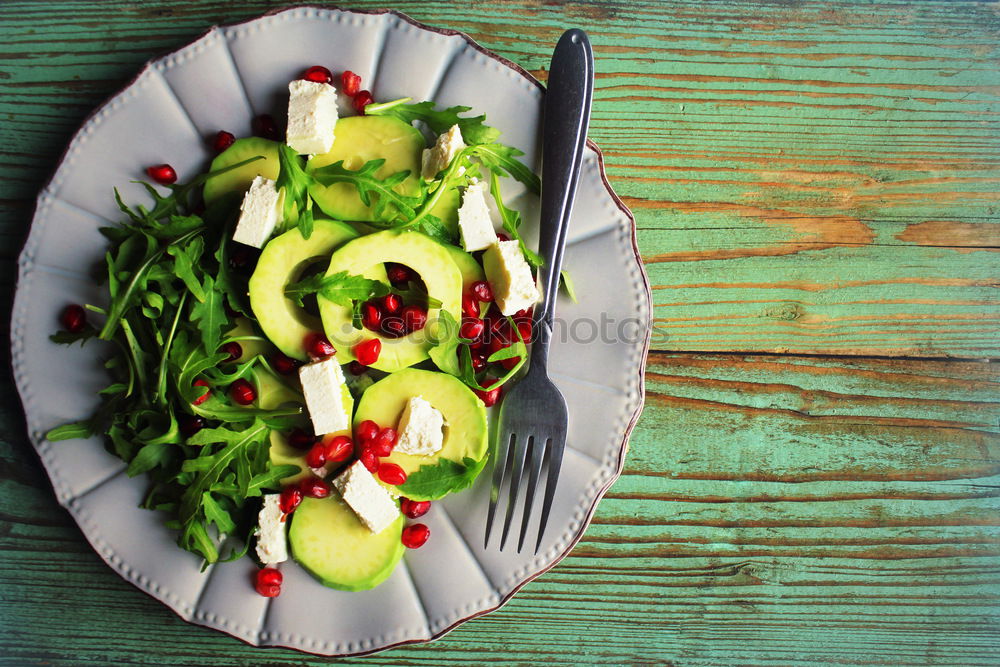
(533,420)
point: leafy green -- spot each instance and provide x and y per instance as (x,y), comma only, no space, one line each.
(503,159)
(445,476)
(567,284)
(294,180)
(474,129)
(443,351)
(511,222)
(342,288)
(373,191)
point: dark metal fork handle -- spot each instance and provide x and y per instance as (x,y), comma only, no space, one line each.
(564,134)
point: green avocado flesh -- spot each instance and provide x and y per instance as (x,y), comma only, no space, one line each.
(465,431)
(329,540)
(471,272)
(360,139)
(238,180)
(283,261)
(366,256)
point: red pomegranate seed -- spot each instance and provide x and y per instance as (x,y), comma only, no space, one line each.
(383,443)
(268,582)
(482,290)
(240,257)
(499,342)
(491,396)
(368,351)
(339,448)
(290,498)
(242,392)
(233,349)
(414,509)
(316,457)
(204,397)
(163,174)
(283,363)
(371,316)
(361,100)
(318,74)
(314,487)
(415,535)
(390,473)
(391,303)
(525,330)
(264,126)
(357,368)
(300,439)
(471,329)
(478,363)
(222,141)
(525,314)
(350,83)
(508,364)
(73,318)
(398,273)
(369,460)
(470,305)
(190,424)
(394,326)
(414,318)
(318,347)
(366,431)
(502,237)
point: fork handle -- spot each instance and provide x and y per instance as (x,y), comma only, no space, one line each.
(566,115)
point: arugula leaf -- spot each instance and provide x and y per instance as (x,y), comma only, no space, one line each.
(497,157)
(210,316)
(511,222)
(567,284)
(215,514)
(474,129)
(446,476)
(185,259)
(444,349)
(295,182)
(414,293)
(373,191)
(81,429)
(342,288)
(147,458)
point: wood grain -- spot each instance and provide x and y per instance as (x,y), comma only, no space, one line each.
(815,477)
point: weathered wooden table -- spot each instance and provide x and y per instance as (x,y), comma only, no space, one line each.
(815,477)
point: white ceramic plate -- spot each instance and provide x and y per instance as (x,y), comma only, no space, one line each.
(220,82)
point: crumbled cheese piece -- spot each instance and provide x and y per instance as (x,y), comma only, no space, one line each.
(445,149)
(421,428)
(510,277)
(312,116)
(322,383)
(369,500)
(474,220)
(260,212)
(272,545)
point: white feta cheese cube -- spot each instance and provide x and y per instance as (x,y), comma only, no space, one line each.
(312,116)
(510,277)
(322,386)
(369,499)
(272,544)
(421,428)
(260,213)
(474,221)
(440,156)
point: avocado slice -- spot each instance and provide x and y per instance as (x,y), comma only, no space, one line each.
(329,541)
(238,180)
(471,272)
(283,260)
(360,139)
(366,256)
(465,432)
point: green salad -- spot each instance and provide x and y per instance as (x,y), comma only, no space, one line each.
(304,339)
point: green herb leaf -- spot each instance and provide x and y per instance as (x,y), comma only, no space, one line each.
(81,429)
(147,458)
(341,288)
(497,157)
(511,222)
(295,182)
(444,349)
(373,191)
(215,514)
(210,316)
(446,476)
(567,284)
(474,129)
